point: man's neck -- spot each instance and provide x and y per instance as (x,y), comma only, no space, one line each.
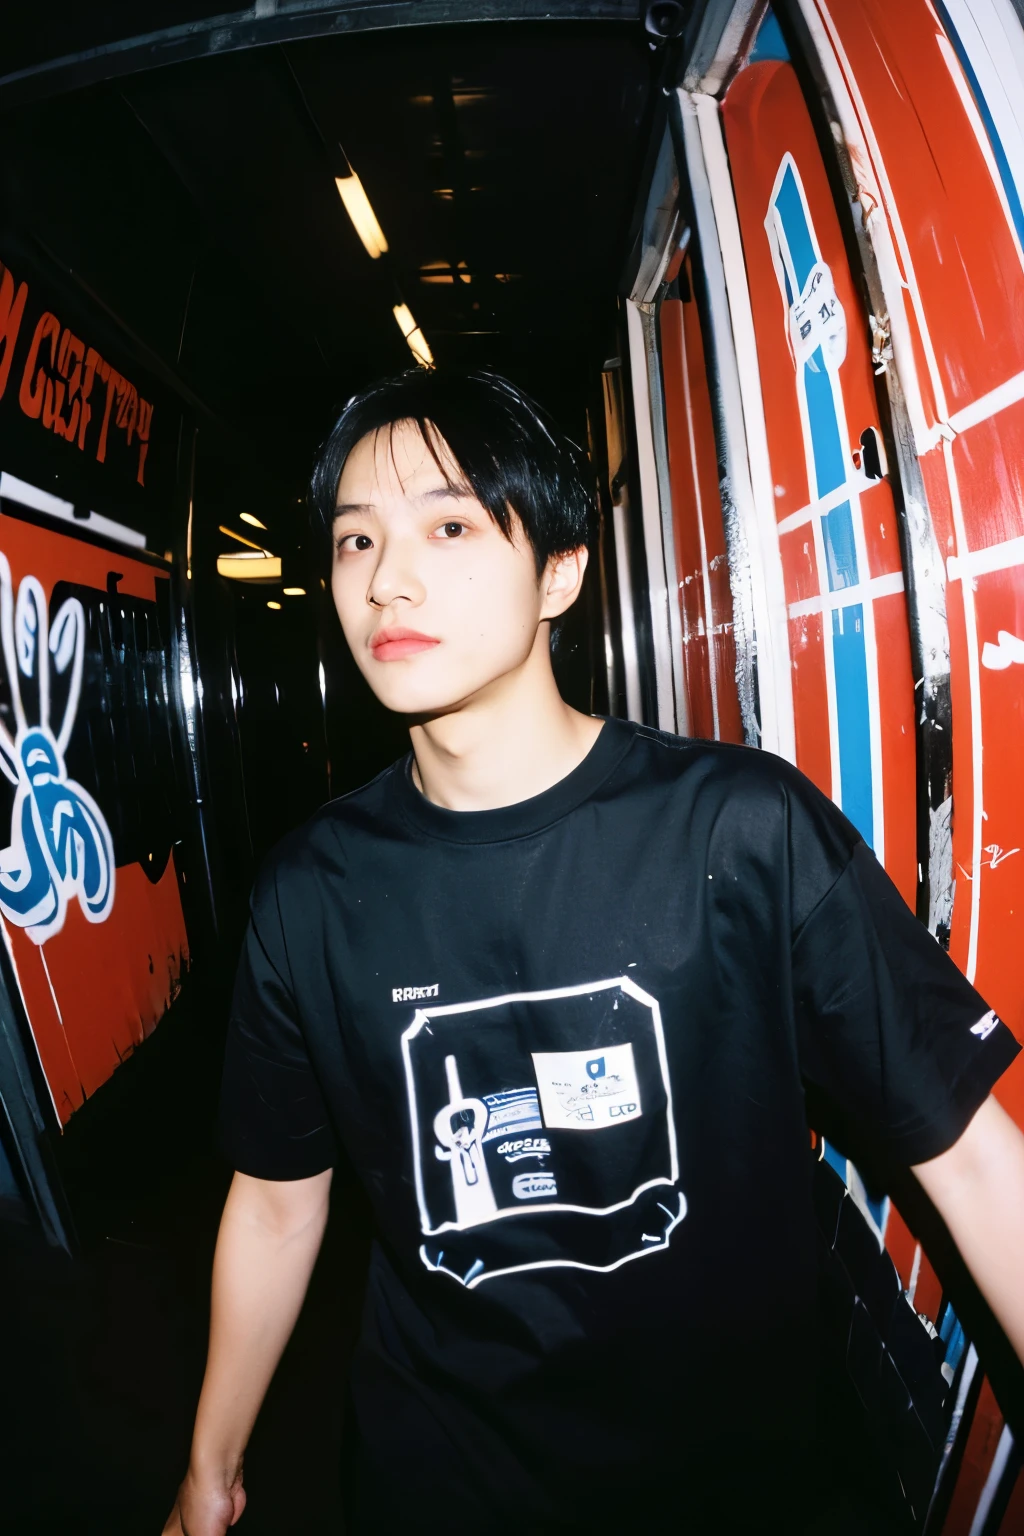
(514,742)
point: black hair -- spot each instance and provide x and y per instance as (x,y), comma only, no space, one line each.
(511,454)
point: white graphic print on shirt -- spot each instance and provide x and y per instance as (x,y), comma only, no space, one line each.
(501,1082)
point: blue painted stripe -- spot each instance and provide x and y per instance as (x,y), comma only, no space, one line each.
(826,443)
(797,230)
(840,549)
(835,1159)
(851,670)
(770,42)
(1002,163)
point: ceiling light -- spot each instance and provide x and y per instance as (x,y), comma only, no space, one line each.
(364,220)
(294,591)
(254,522)
(247,542)
(276,607)
(413,335)
(245,567)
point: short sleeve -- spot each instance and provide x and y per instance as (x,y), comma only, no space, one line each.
(902,1047)
(273,1122)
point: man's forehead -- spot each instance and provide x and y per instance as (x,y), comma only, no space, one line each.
(397,463)
(424,498)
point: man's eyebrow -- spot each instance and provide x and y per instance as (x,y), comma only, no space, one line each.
(426,498)
(446,493)
(353,506)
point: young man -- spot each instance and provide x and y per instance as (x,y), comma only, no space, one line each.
(555,987)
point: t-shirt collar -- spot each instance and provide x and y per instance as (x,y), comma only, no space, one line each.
(526,816)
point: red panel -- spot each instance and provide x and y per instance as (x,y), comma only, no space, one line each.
(901,1245)
(989,463)
(810,699)
(93,991)
(963,255)
(730,726)
(697,516)
(986,1427)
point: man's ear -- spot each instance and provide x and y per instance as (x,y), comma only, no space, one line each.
(561,581)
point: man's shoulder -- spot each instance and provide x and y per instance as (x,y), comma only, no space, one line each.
(326,839)
(752,794)
(728,766)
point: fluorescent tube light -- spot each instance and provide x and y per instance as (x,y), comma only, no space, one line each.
(254,522)
(294,591)
(413,335)
(246,567)
(275,606)
(364,220)
(247,542)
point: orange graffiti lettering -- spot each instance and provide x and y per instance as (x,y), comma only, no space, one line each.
(58,390)
(92,362)
(144,424)
(12,307)
(112,379)
(30,396)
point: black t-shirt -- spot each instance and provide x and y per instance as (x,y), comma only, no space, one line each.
(565,1045)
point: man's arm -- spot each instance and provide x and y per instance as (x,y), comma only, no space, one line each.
(270,1234)
(977,1186)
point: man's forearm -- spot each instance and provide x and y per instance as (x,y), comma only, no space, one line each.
(978,1189)
(261,1270)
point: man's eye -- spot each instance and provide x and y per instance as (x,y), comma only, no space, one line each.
(452,530)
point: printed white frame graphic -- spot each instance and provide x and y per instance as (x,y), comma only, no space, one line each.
(421,1020)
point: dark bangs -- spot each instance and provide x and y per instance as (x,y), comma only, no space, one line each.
(508,450)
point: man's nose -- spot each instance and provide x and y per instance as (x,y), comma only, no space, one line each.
(395,577)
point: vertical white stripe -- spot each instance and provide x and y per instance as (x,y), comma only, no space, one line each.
(650,511)
(974,680)
(995,1477)
(698,501)
(773,655)
(623,572)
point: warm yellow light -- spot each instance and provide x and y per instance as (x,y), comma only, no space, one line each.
(247,542)
(257,567)
(413,335)
(275,606)
(254,522)
(364,220)
(294,591)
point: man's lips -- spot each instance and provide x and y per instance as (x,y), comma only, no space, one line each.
(393,644)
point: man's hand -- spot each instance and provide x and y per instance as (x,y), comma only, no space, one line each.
(205,1508)
(977,1187)
(267,1245)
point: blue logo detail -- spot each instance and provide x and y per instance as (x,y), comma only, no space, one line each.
(60,845)
(595,1068)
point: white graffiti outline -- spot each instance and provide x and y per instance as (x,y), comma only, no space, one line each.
(60,845)
(1007,650)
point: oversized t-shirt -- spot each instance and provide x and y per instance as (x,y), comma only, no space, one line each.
(566,1047)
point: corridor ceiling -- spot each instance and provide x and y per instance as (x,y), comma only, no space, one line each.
(197,201)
